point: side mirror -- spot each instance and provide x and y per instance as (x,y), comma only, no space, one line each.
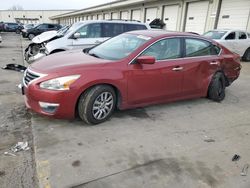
(76,35)
(145,60)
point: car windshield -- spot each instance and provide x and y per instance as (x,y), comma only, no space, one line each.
(63,30)
(118,47)
(73,27)
(215,34)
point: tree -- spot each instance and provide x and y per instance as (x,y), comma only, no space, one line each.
(16,7)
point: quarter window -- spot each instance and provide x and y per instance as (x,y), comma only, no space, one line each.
(165,49)
(196,47)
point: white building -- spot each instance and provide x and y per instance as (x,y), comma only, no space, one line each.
(181,15)
(29,16)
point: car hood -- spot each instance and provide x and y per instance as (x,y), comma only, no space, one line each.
(66,61)
(45,36)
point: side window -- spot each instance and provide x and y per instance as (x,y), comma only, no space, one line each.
(42,26)
(118,29)
(242,35)
(196,47)
(215,50)
(51,26)
(131,27)
(230,36)
(90,31)
(165,49)
(107,29)
(112,29)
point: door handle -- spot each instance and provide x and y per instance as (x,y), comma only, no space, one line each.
(214,63)
(97,41)
(177,68)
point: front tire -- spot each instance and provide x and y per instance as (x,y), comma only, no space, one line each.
(246,56)
(31,36)
(216,90)
(97,104)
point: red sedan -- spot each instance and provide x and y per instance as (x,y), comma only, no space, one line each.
(134,69)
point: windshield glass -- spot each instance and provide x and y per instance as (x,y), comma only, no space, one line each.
(119,47)
(73,27)
(63,30)
(215,34)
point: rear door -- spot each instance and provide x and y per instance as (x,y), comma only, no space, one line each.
(162,81)
(230,41)
(243,43)
(200,63)
(90,35)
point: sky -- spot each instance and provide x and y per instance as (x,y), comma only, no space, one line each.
(51,4)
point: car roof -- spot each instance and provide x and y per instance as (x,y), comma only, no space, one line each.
(227,30)
(112,21)
(154,33)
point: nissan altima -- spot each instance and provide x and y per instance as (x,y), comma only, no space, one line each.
(134,69)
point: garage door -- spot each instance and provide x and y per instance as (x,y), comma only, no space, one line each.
(234,14)
(170,16)
(99,17)
(106,16)
(124,15)
(196,16)
(151,14)
(136,14)
(114,15)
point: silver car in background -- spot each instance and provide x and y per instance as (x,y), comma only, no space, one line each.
(80,35)
(237,41)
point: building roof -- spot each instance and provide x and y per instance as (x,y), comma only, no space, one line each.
(102,7)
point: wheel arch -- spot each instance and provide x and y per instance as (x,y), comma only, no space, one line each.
(116,89)
(211,77)
(244,55)
(57,50)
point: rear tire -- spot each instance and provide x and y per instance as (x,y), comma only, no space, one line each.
(246,56)
(216,90)
(97,104)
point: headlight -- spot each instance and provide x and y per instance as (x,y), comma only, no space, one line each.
(61,83)
(46,51)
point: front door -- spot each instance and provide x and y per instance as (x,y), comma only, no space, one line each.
(157,82)
(90,35)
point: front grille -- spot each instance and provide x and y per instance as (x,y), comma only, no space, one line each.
(29,76)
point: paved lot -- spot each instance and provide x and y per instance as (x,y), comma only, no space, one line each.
(15,126)
(182,144)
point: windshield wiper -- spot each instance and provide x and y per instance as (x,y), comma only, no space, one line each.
(94,55)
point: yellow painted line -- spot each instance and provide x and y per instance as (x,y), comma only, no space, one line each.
(43,172)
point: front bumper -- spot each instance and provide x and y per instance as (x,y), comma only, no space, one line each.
(30,58)
(63,102)
(24,34)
